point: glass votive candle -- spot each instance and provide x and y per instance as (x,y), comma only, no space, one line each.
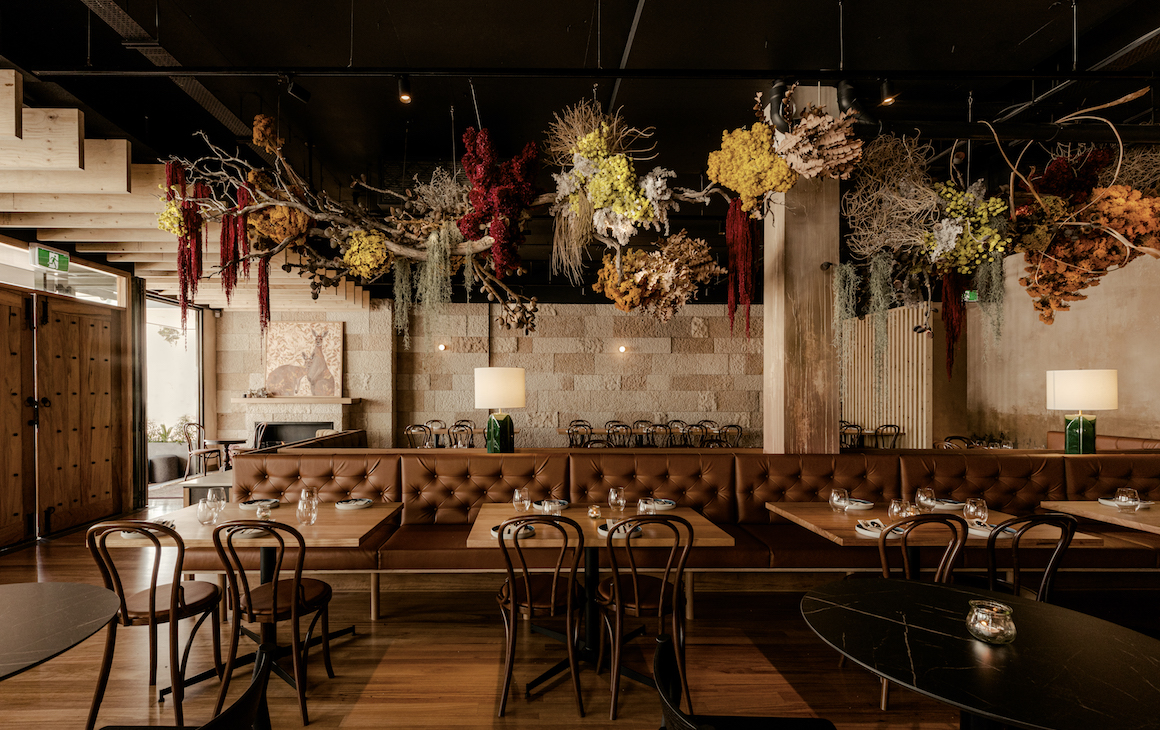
(991,621)
(594,510)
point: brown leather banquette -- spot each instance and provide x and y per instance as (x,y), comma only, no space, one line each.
(442,490)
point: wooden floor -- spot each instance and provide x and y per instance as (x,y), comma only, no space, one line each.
(435,660)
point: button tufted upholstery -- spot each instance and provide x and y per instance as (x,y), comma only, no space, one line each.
(335,475)
(702,480)
(1091,476)
(1011,483)
(447,488)
(765,478)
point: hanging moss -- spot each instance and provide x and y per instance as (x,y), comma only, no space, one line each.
(881,296)
(989,283)
(403,300)
(433,281)
(468,274)
(845,309)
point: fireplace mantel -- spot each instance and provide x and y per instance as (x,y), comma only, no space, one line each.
(298,400)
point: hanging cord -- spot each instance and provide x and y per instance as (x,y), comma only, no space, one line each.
(841,38)
(350,62)
(89,41)
(406,139)
(1074,34)
(157,22)
(598,34)
(591,27)
(475,103)
(453,139)
(970,118)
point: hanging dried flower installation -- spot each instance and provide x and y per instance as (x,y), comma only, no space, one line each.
(817,143)
(500,195)
(660,282)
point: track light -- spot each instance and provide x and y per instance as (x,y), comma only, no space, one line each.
(299,92)
(888,94)
(776,96)
(405,89)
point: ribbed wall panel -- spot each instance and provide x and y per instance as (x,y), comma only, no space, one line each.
(905,396)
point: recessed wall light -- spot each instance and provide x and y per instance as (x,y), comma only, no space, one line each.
(442,347)
(622,348)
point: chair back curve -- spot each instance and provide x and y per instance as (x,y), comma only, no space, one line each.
(957,528)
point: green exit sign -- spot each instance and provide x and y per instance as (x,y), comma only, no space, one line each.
(971,295)
(43,258)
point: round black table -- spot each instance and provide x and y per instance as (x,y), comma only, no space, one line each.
(41,620)
(1064,671)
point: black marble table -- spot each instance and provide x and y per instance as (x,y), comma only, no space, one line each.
(41,620)
(1064,671)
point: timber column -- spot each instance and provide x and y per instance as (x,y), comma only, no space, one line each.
(800,375)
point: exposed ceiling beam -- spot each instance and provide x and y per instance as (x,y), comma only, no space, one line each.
(11,103)
(51,139)
(107,170)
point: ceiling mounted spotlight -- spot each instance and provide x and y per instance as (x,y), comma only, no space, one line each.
(889,96)
(405,89)
(776,97)
(295,89)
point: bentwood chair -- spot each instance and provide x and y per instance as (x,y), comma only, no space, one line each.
(167,603)
(668,682)
(418,436)
(246,710)
(677,434)
(963,441)
(850,437)
(695,435)
(195,444)
(633,593)
(541,594)
(732,435)
(282,599)
(579,435)
(1067,526)
(470,424)
(599,444)
(911,570)
(887,432)
(639,438)
(657,434)
(620,435)
(460,436)
(436,424)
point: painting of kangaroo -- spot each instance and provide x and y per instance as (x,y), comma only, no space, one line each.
(304,358)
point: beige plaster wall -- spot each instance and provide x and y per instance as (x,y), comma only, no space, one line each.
(1117,327)
(368,370)
(689,368)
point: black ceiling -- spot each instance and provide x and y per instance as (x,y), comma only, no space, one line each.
(941,52)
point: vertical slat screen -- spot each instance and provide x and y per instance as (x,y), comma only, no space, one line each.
(905,396)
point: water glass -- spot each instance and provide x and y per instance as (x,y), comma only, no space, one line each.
(646,506)
(975,509)
(925,499)
(216,496)
(899,509)
(263,512)
(1127,499)
(553,507)
(307,510)
(839,499)
(522,499)
(616,498)
(207,512)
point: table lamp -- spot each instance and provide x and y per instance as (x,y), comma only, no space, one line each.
(1082,390)
(500,388)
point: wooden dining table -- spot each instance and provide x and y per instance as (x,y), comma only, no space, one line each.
(1146,520)
(705,534)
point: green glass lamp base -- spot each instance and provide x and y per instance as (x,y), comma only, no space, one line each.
(501,436)
(1080,435)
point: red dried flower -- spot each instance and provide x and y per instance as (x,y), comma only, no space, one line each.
(499,195)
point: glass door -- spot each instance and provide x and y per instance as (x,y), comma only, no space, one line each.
(173,390)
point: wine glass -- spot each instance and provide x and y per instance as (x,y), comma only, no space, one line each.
(616,498)
(216,496)
(899,509)
(522,499)
(207,513)
(646,506)
(839,499)
(1127,499)
(925,499)
(975,509)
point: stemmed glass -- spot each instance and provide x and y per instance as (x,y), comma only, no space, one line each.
(899,509)
(616,499)
(975,509)
(521,499)
(308,507)
(1127,499)
(839,499)
(216,496)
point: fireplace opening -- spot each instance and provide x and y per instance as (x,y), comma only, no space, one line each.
(276,433)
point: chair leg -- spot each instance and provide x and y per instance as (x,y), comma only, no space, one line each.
(573,666)
(326,641)
(885,694)
(617,638)
(299,668)
(235,633)
(509,631)
(217,640)
(152,655)
(679,630)
(375,597)
(103,677)
(176,681)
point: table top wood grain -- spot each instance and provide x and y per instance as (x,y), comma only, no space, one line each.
(838,527)
(705,533)
(334,528)
(1144,520)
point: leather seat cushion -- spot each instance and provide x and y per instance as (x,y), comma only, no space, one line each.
(316,594)
(444,547)
(199,597)
(541,590)
(792,546)
(652,591)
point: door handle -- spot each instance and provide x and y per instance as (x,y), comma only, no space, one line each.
(30,401)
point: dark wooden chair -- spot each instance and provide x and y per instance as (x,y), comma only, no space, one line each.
(579,435)
(850,437)
(667,677)
(732,435)
(246,710)
(886,436)
(631,592)
(195,443)
(714,442)
(541,594)
(470,425)
(418,436)
(436,424)
(282,599)
(460,436)
(1067,526)
(695,435)
(154,606)
(677,433)
(657,434)
(620,435)
(639,438)
(599,444)
(911,570)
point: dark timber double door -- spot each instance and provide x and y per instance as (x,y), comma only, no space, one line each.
(64,458)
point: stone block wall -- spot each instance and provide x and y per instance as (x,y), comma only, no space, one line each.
(368,373)
(689,368)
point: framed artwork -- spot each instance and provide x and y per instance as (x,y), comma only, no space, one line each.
(304,359)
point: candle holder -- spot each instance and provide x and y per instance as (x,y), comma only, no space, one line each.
(594,511)
(991,621)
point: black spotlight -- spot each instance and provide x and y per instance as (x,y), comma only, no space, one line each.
(405,89)
(298,91)
(776,96)
(889,96)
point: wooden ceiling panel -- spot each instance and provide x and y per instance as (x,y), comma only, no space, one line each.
(106,171)
(145,198)
(11,103)
(51,139)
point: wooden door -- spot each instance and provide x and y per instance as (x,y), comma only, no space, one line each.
(17,395)
(81,442)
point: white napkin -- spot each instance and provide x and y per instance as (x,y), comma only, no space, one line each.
(979,528)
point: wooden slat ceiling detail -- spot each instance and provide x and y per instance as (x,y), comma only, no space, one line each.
(87,192)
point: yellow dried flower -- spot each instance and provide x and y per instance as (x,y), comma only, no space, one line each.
(747,165)
(366,254)
(170,218)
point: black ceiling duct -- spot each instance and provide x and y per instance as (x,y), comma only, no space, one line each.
(848,101)
(776,97)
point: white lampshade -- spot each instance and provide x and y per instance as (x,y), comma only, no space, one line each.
(1082,390)
(499,388)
